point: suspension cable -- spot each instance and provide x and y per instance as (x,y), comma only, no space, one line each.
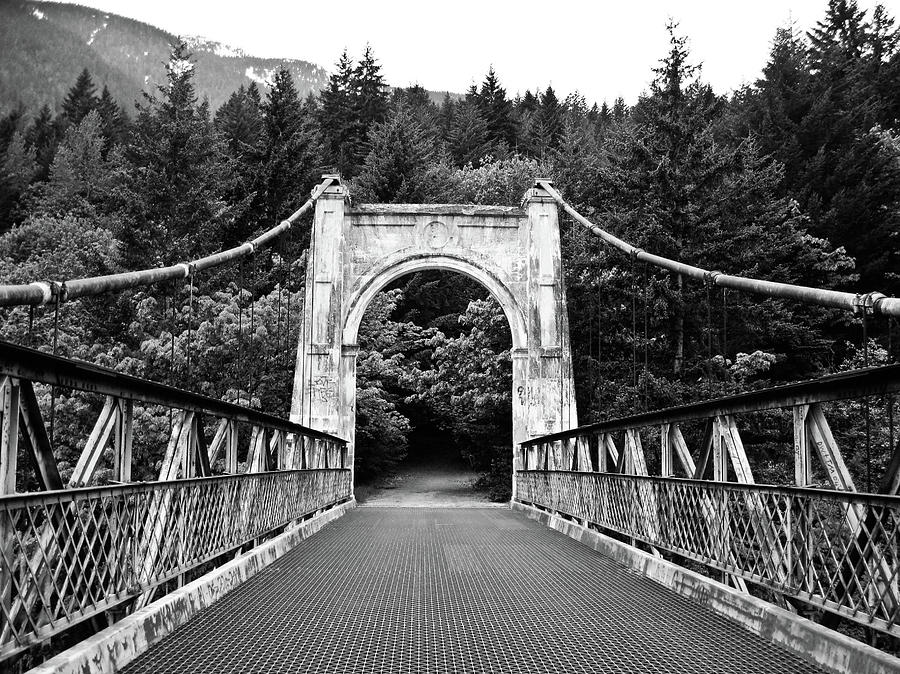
(53,388)
(890,396)
(240,310)
(725,325)
(874,301)
(287,318)
(276,357)
(42,292)
(646,335)
(190,323)
(634,377)
(252,334)
(865,336)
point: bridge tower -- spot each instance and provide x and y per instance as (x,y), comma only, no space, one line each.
(357,250)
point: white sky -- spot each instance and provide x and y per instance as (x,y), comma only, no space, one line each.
(603,49)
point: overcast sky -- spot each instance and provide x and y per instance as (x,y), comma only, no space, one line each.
(603,49)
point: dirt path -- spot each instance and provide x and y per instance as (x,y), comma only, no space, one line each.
(428,485)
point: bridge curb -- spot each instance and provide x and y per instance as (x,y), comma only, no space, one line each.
(826,648)
(117,645)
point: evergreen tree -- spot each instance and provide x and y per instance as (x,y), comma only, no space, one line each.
(551,115)
(42,136)
(497,111)
(336,116)
(292,148)
(240,122)
(81,99)
(113,122)
(817,110)
(370,101)
(396,169)
(681,191)
(18,167)
(178,174)
(529,103)
(468,141)
(83,179)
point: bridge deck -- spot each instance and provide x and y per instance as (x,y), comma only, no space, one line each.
(455,590)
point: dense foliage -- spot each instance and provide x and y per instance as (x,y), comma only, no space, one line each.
(795,178)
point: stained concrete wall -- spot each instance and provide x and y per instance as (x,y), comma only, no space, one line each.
(357,250)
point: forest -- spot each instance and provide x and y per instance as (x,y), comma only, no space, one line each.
(794,178)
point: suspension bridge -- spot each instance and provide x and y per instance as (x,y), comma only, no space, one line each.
(641,543)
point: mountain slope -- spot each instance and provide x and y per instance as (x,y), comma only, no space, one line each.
(44,46)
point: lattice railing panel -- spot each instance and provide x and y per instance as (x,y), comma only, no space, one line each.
(837,550)
(68,555)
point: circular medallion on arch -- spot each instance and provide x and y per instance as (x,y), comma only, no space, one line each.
(437,235)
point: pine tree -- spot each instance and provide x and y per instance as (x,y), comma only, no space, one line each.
(396,168)
(82,178)
(292,149)
(81,99)
(529,103)
(468,141)
(679,190)
(43,137)
(336,116)
(18,167)
(178,173)
(240,123)
(113,123)
(497,111)
(551,115)
(370,101)
(838,40)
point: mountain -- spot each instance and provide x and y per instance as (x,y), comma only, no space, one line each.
(45,45)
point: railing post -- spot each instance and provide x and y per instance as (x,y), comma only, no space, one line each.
(9,444)
(9,399)
(666,458)
(798,531)
(123,439)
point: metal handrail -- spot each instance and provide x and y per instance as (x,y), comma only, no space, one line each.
(873,302)
(840,386)
(69,494)
(836,495)
(53,292)
(24,363)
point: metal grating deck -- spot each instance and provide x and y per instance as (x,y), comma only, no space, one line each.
(455,590)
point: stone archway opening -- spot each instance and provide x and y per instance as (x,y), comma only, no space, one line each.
(428,432)
(357,250)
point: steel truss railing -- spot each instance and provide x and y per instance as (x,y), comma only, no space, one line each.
(835,550)
(68,555)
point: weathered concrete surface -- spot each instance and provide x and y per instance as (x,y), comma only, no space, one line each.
(830,650)
(357,251)
(116,646)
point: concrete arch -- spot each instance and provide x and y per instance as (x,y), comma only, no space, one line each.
(409,262)
(358,249)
